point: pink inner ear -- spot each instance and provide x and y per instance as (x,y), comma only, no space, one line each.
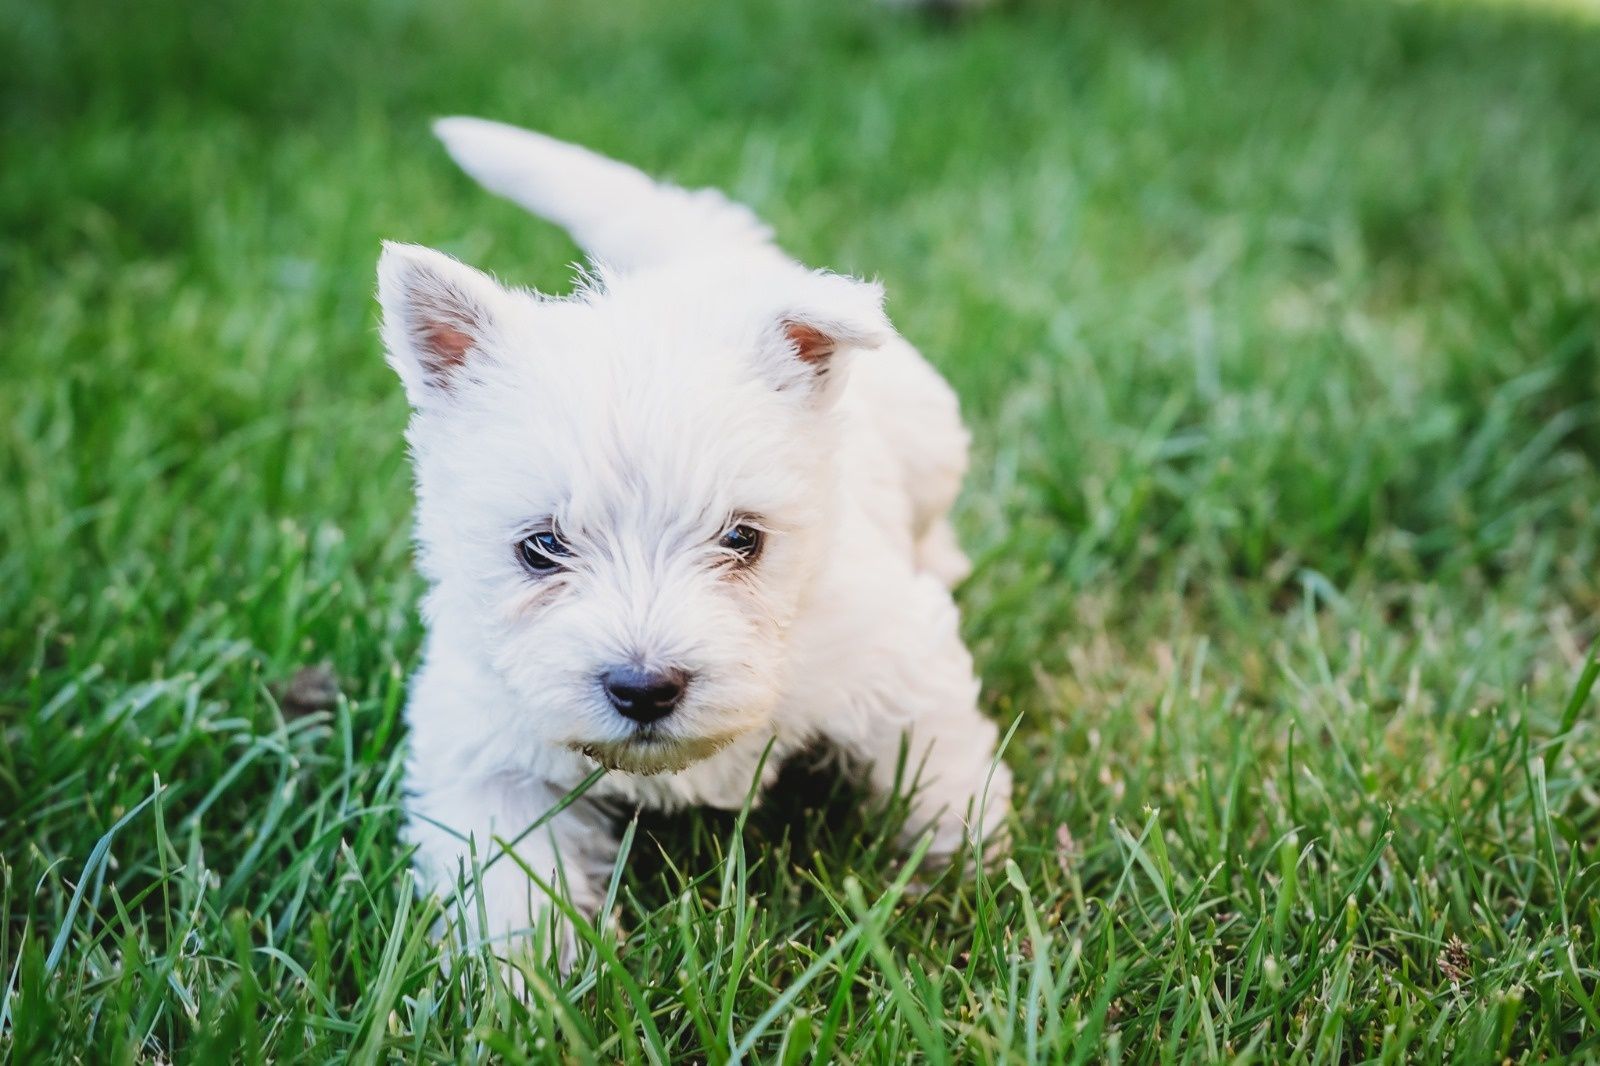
(810,344)
(444,344)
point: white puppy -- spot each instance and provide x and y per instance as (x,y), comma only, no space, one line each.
(668,522)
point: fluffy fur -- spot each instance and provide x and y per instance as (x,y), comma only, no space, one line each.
(697,378)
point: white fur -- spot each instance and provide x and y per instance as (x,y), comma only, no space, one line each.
(641,415)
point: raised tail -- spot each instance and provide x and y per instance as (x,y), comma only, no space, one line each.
(616,214)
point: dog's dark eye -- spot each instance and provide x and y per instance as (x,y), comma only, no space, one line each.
(744,541)
(542,552)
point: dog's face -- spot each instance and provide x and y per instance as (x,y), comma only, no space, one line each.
(623,496)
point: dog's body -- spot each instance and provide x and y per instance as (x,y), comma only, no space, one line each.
(672,526)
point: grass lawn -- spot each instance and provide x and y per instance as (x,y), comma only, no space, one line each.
(1278,326)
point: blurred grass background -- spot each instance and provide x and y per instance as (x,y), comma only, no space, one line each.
(1278,326)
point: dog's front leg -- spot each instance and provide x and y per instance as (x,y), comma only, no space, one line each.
(484,838)
(958,787)
(885,678)
(922,729)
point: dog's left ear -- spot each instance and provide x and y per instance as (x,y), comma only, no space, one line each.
(813,336)
(439,319)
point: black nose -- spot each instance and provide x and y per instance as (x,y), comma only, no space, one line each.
(644,695)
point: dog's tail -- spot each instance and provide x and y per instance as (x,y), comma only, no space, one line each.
(615,213)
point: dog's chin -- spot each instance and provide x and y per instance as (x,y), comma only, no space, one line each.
(651,753)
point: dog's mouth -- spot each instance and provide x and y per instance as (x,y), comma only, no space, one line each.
(650,750)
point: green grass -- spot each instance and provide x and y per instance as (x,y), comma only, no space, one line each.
(1278,326)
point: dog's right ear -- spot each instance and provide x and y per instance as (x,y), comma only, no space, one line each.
(439,318)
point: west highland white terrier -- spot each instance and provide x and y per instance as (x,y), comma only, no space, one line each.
(672,527)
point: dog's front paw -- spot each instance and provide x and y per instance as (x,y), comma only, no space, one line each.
(508,914)
(968,825)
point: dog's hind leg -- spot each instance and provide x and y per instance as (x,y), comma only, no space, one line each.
(939,554)
(918,421)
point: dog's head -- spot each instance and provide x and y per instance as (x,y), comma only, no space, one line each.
(623,495)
